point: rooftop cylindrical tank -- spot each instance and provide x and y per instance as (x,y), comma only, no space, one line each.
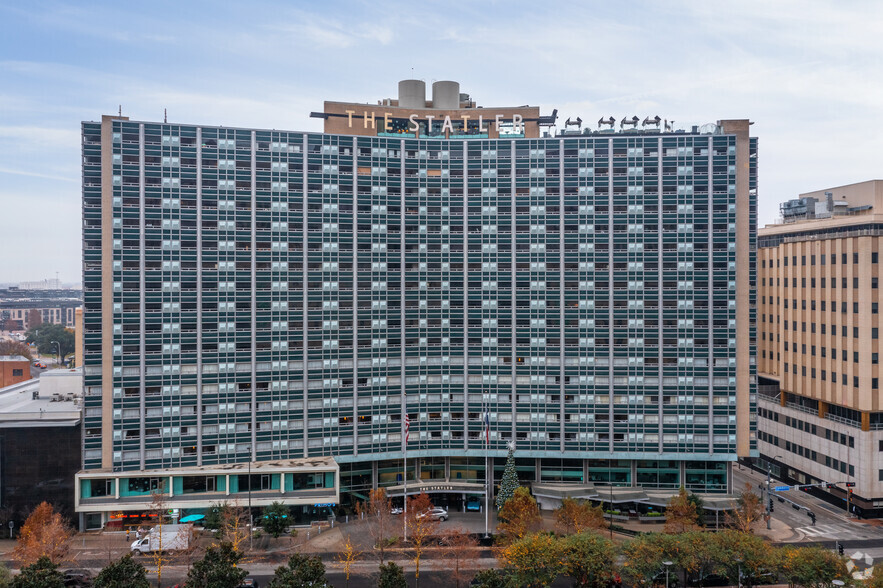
(446,95)
(412,94)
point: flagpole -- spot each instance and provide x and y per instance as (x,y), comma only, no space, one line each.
(487,474)
(407,426)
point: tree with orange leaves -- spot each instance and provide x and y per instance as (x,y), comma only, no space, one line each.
(519,516)
(576,516)
(421,526)
(43,534)
(681,514)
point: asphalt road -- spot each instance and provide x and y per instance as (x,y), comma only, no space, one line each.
(365,576)
(831,522)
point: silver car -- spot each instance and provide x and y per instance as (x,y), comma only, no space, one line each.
(436,514)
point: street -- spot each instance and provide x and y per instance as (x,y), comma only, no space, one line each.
(831,522)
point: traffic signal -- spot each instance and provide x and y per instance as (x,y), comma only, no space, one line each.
(771,505)
(829,485)
(850,484)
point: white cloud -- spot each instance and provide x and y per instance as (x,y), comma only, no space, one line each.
(808,72)
(331,32)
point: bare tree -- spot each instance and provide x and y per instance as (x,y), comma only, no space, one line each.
(378,518)
(234,525)
(35,319)
(460,547)
(748,512)
(159,508)
(347,557)
(14,348)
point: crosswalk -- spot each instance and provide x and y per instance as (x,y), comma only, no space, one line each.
(842,532)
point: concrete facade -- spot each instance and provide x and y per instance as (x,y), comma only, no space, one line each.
(818,342)
(257,295)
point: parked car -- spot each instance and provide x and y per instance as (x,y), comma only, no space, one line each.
(396,510)
(436,514)
(77,578)
(249,583)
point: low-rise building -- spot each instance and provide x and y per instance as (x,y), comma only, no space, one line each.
(14,369)
(40,439)
(310,488)
(20,307)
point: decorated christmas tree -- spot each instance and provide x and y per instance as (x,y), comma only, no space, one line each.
(510,479)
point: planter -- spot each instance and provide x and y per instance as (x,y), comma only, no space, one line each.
(619,517)
(651,519)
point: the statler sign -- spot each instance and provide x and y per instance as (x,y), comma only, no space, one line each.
(446,123)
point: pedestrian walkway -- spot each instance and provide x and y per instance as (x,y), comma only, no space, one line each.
(842,532)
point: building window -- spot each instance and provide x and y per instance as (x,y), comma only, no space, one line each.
(17,373)
(873,257)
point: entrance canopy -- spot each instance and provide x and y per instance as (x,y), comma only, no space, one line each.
(435,487)
(712,502)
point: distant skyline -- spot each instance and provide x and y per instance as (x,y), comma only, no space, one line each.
(808,73)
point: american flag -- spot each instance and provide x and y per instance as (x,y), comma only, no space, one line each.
(407,422)
(487,427)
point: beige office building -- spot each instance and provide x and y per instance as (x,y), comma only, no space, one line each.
(820,414)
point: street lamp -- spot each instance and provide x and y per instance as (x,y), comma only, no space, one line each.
(666,563)
(58,360)
(738,561)
(611,506)
(769,496)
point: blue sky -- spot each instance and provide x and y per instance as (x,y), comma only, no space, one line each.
(809,73)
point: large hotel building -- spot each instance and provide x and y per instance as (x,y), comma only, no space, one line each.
(820,409)
(263,307)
